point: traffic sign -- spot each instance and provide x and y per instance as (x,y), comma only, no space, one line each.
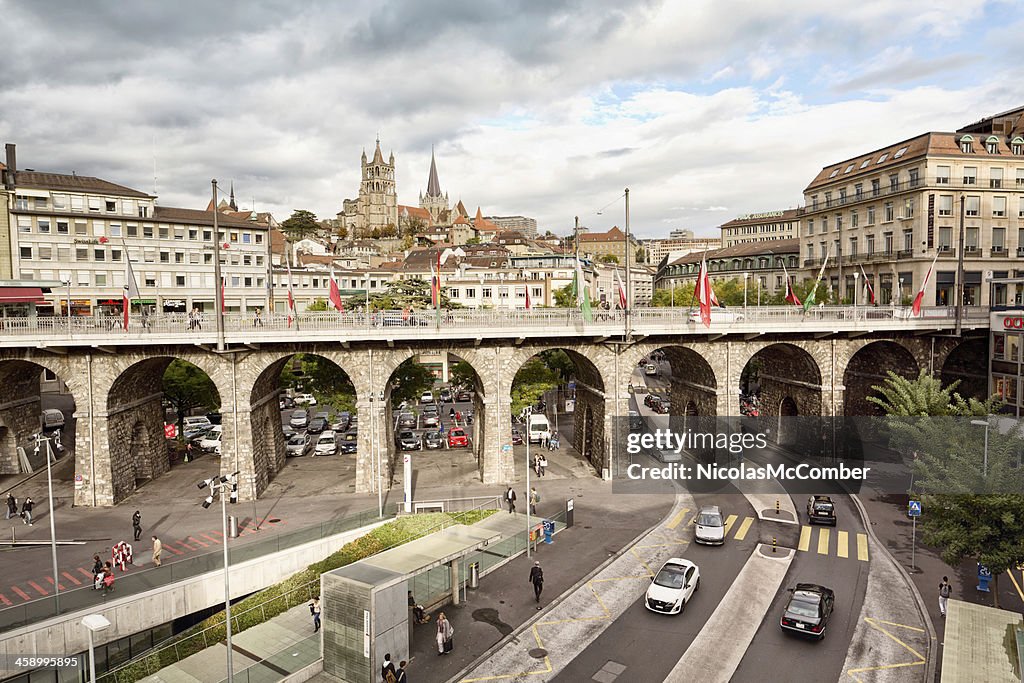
(506,448)
(914,508)
(170,431)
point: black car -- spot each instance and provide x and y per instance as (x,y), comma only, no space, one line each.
(808,610)
(288,431)
(433,440)
(286,402)
(649,398)
(348,442)
(408,441)
(407,421)
(343,421)
(821,510)
(317,425)
(658,405)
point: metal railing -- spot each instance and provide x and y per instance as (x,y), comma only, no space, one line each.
(86,598)
(239,328)
(291,658)
(454,505)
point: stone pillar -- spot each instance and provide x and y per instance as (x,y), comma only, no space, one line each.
(19,419)
(453,567)
(364,451)
(498,466)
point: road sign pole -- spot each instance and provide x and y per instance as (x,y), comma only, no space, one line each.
(913,542)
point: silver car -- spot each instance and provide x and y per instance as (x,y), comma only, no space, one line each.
(297,445)
(710,526)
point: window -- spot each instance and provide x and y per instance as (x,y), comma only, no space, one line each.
(179,233)
(248,282)
(995,177)
(992,144)
(470,293)
(889,214)
(839,221)
(869,246)
(128,207)
(133,230)
(207,235)
(115,254)
(64,255)
(77,203)
(894,182)
(101,279)
(25,253)
(234,237)
(908,240)
(970,175)
(246,238)
(854,219)
(143,212)
(942,175)
(853,246)
(864,164)
(82,278)
(1016,148)
(967,144)
(828,199)
(1020,177)
(883,158)
(150,281)
(908,208)
(207,259)
(913,176)
(814,200)
(810,226)
(834,173)
(179,280)
(193,257)
(24,224)
(887,237)
(81,254)
(971,239)
(45,253)
(842,196)
(165,257)
(849,168)
(810,251)
(259,262)
(945,205)
(876,187)
(147,231)
(60,201)
(972,206)
(115,229)
(871,215)
(179,257)
(900,152)
(247,260)
(99,254)
(824,223)
(485,292)
(43,225)
(80,228)
(999,207)
(945,238)
(95,204)
(998,239)
(259,238)
(164,232)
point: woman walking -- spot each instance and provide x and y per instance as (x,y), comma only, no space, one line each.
(445,633)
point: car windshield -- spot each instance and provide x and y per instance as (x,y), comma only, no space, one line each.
(406,435)
(823,507)
(804,605)
(326,438)
(709,519)
(458,432)
(671,576)
(296,441)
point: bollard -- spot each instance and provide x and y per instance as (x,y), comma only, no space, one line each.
(774,543)
(777,506)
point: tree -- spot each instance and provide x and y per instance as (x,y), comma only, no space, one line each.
(299,224)
(409,381)
(564,297)
(321,377)
(317,305)
(342,232)
(641,256)
(608,258)
(413,294)
(925,396)
(473,240)
(188,387)
(462,374)
(530,383)
(559,361)
(407,243)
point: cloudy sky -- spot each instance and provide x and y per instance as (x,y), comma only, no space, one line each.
(704,109)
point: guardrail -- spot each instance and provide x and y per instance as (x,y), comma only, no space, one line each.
(242,328)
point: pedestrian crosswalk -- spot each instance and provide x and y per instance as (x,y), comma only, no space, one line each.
(825,545)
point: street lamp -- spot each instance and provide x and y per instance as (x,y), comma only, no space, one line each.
(40,439)
(529,496)
(983,423)
(224,486)
(901,291)
(94,623)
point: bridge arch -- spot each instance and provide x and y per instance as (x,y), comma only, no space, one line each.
(967,362)
(868,367)
(781,369)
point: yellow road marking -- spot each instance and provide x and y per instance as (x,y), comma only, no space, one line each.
(893,623)
(862,547)
(805,538)
(744,528)
(1016,585)
(842,543)
(823,535)
(729,521)
(874,623)
(677,518)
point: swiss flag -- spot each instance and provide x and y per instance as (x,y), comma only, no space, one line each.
(704,294)
(527,297)
(920,293)
(334,294)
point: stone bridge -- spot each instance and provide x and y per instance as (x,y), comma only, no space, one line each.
(117,391)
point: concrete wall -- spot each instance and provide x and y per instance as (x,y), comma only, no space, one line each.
(343,604)
(136,613)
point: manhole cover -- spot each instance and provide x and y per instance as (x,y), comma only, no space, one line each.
(538,653)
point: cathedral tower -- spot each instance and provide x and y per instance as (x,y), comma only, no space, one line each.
(433,201)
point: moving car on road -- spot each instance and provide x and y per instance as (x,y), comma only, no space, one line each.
(673,587)
(651,370)
(808,610)
(710,526)
(457,438)
(821,510)
(327,444)
(408,441)
(297,445)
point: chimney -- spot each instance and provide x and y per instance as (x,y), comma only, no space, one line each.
(12,166)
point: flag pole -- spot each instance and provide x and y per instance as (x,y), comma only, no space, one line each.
(218,297)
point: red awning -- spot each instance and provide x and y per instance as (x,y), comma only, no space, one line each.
(21,295)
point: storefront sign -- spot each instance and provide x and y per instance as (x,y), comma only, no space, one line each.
(1013,323)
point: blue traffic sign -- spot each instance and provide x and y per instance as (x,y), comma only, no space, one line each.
(984,576)
(914,508)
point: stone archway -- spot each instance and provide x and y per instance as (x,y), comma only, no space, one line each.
(21,406)
(147,462)
(779,370)
(788,428)
(868,368)
(967,363)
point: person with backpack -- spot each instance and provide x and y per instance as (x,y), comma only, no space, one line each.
(26,510)
(537,579)
(387,670)
(945,590)
(534,499)
(12,506)
(402,678)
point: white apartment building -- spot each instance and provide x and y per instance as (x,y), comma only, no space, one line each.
(524,225)
(679,243)
(761,227)
(81,230)
(641,283)
(891,210)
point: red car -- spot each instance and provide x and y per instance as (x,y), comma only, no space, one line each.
(457,439)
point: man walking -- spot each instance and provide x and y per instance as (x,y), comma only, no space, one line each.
(534,499)
(510,498)
(944,592)
(537,579)
(137,524)
(402,678)
(12,506)
(387,670)
(314,611)
(26,510)
(158,549)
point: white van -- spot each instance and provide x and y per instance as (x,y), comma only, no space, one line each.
(52,419)
(537,426)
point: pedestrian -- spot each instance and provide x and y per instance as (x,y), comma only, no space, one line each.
(545,438)
(26,510)
(419,615)
(199,320)
(188,453)
(445,635)
(401,672)
(257,321)
(387,670)
(944,592)
(536,464)
(158,549)
(510,498)
(192,319)
(543,465)
(137,524)
(534,499)
(12,506)
(314,611)
(97,572)
(537,579)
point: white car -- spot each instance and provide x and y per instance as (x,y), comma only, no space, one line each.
(651,370)
(427,397)
(300,419)
(710,526)
(211,442)
(305,399)
(719,315)
(673,587)
(326,444)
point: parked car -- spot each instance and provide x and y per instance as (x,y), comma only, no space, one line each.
(408,441)
(297,445)
(635,421)
(305,400)
(194,423)
(517,438)
(300,419)
(406,421)
(429,417)
(427,397)
(349,442)
(821,510)
(197,434)
(445,396)
(211,440)
(433,440)
(808,610)
(285,402)
(673,586)
(457,438)
(317,425)
(288,431)
(710,526)
(463,396)
(342,421)
(52,419)
(326,444)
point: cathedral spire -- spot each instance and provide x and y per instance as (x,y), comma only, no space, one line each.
(378,158)
(234,207)
(433,184)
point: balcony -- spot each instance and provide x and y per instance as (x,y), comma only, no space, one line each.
(904,254)
(1020,251)
(997,251)
(972,250)
(969,183)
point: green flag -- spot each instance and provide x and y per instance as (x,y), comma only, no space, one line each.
(813,294)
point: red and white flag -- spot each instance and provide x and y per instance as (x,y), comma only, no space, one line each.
(867,286)
(528,303)
(223,287)
(791,296)
(622,291)
(920,293)
(291,297)
(704,294)
(131,290)
(334,294)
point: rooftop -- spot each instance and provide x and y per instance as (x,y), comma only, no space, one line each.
(768,248)
(75,183)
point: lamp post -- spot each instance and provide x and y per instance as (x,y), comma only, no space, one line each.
(94,623)
(900,291)
(759,291)
(40,439)
(529,496)
(224,486)
(985,424)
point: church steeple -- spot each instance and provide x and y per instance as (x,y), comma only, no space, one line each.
(434,200)
(433,184)
(234,207)
(378,158)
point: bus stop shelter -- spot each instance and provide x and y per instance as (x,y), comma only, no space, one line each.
(982,644)
(365,609)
